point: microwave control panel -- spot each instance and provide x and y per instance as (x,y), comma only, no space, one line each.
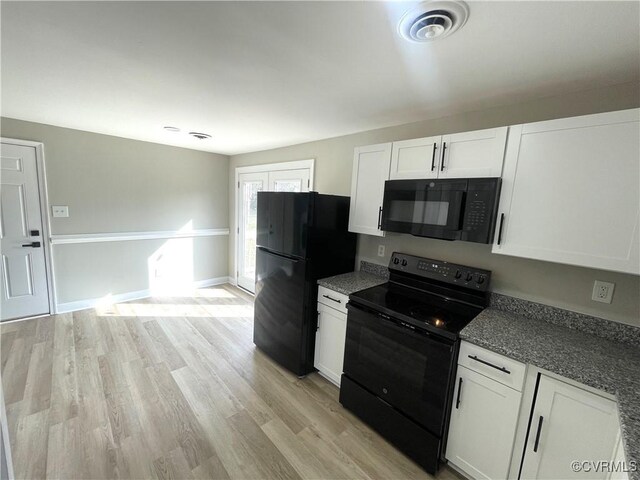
(480,210)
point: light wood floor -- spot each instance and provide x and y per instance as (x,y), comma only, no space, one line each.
(174,388)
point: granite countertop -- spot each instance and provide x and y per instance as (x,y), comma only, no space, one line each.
(600,363)
(348,283)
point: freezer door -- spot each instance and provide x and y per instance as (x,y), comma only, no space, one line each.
(280,327)
(283,222)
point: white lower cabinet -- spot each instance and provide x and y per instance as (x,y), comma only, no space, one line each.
(569,424)
(483,425)
(330,335)
(503,428)
(484,414)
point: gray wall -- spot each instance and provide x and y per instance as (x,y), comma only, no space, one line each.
(113,184)
(558,285)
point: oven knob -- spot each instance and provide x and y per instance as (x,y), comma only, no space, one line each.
(404,263)
(469,277)
(480,279)
(458,274)
(384,390)
(396,261)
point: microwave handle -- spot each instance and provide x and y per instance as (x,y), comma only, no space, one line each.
(379,218)
(444,149)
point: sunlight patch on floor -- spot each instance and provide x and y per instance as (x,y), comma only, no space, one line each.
(199,293)
(177,310)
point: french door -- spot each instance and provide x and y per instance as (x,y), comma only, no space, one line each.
(23,273)
(249,184)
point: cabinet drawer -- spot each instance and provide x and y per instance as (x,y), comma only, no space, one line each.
(505,370)
(333,299)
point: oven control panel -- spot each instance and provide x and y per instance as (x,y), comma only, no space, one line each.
(452,273)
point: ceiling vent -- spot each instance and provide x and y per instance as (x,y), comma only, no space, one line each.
(200,136)
(430,21)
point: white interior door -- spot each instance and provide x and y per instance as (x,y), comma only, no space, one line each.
(249,184)
(23,270)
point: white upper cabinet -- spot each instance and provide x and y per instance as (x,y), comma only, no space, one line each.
(473,154)
(417,158)
(370,171)
(460,155)
(570,192)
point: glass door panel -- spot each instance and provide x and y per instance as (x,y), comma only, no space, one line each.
(250,185)
(289,180)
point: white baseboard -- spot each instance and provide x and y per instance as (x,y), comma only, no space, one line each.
(125,297)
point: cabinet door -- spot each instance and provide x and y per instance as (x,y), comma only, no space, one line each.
(568,424)
(570,192)
(417,158)
(483,423)
(370,171)
(330,339)
(473,154)
(619,459)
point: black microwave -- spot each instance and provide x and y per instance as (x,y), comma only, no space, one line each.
(451,209)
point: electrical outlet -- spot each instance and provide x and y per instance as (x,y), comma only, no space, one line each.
(381,250)
(60,211)
(602,291)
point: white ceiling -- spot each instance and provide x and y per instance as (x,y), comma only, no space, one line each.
(268,74)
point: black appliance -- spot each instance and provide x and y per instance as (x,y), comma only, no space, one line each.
(402,347)
(301,237)
(451,209)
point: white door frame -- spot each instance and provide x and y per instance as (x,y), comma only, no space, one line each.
(44,214)
(267,167)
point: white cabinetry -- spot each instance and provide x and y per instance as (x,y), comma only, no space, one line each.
(484,413)
(331,334)
(569,424)
(460,155)
(370,171)
(473,154)
(570,192)
(416,158)
(510,421)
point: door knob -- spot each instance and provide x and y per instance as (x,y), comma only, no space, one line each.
(32,244)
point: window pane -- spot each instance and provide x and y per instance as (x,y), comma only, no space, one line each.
(288,185)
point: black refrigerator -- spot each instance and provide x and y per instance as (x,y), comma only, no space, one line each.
(301,238)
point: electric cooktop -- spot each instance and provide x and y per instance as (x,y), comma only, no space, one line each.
(432,295)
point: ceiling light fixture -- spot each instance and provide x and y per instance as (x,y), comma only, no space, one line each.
(171,129)
(432,20)
(200,136)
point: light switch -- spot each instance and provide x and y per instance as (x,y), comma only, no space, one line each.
(60,211)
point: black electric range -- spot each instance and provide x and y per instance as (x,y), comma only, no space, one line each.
(401,351)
